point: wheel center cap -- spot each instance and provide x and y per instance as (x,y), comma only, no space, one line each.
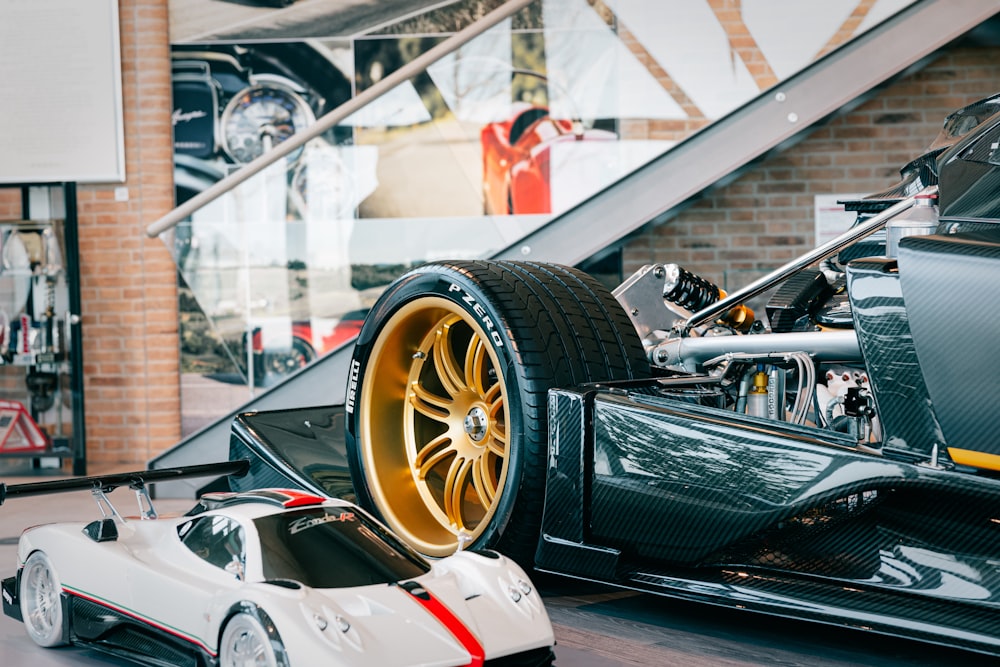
(476,424)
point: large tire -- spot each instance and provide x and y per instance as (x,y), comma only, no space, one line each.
(447,427)
(41,602)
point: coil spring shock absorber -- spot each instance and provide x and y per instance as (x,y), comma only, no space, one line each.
(687,290)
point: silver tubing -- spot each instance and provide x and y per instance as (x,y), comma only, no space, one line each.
(327,121)
(689,354)
(821,252)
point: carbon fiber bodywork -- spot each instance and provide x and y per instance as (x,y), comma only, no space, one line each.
(951,274)
(302,445)
(909,421)
(115,633)
(674,498)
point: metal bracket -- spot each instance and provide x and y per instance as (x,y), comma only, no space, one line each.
(146,510)
(108,510)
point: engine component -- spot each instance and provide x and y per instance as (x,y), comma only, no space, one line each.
(689,354)
(836,313)
(845,403)
(757,400)
(776,393)
(798,296)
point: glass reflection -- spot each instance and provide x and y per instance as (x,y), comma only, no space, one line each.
(526,121)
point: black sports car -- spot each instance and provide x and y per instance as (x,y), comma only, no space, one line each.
(833,458)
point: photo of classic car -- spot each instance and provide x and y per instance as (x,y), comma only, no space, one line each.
(832,458)
(517,158)
(269,577)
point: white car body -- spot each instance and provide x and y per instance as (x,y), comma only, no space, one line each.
(150,581)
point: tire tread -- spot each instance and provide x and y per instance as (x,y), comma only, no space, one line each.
(569,330)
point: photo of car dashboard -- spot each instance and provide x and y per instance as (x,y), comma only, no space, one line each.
(232,103)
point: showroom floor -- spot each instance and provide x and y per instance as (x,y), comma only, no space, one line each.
(595,626)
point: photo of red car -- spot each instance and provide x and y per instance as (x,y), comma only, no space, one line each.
(517,156)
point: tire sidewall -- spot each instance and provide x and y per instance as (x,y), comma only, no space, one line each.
(57,634)
(265,626)
(466,293)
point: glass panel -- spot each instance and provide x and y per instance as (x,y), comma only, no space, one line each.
(217,540)
(522,123)
(327,547)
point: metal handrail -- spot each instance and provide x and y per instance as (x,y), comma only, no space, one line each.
(329,120)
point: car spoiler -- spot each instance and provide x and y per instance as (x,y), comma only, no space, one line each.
(135,480)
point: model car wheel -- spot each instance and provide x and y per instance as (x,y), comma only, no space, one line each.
(447,401)
(245,642)
(41,602)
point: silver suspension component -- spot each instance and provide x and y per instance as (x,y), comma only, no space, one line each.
(687,290)
(689,355)
(658,297)
(642,297)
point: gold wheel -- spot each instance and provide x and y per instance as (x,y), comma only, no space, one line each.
(434,423)
(447,400)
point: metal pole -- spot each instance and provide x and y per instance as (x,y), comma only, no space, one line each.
(74,349)
(326,122)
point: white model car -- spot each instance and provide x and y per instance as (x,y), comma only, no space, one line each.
(266,577)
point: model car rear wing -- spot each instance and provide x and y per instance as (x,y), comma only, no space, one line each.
(100,485)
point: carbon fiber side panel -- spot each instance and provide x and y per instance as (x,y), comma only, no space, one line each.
(949,283)
(909,423)
(563,544)
(704,504)
(300,448)
(109,631)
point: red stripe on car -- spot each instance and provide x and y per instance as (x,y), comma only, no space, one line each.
(300,498)
(449,620)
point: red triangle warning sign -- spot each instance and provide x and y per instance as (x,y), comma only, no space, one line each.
(18,431)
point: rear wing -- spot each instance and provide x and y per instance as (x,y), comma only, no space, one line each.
(137,480)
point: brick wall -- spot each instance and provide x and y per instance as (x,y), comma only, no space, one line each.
(10,204)
(765,217)
(128,281)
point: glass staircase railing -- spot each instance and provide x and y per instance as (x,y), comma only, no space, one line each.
(506,138)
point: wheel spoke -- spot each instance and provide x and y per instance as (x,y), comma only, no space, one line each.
(475,359)
(496,445)
(454,491)
(430,405)
(493,398)
(497,440)
(42,612)
(432,454)
(482,479)
(448,369)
